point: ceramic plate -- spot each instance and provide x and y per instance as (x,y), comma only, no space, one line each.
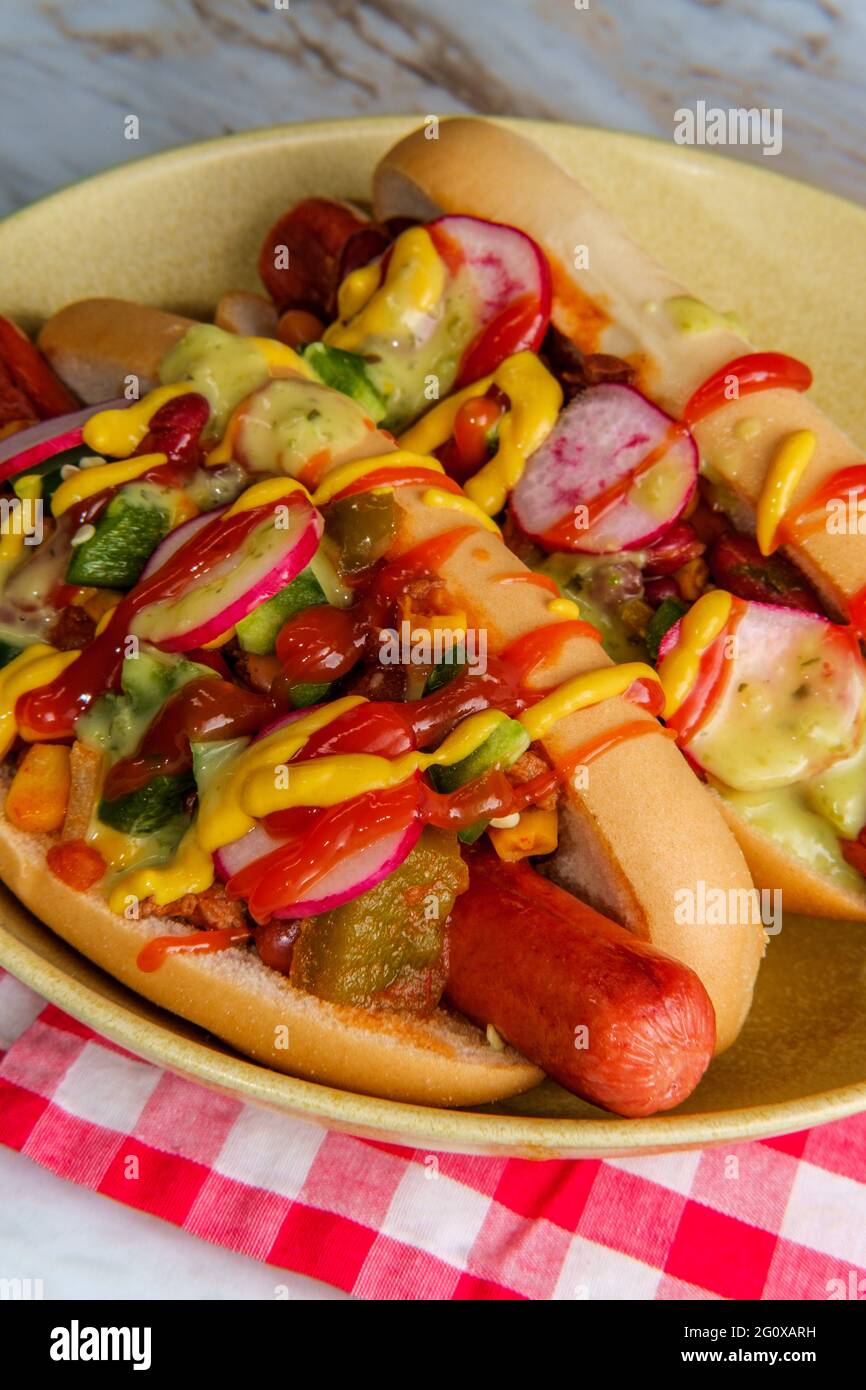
(179,229)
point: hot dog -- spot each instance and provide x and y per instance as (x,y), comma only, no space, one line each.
(778,492)
(294,877)
(609,1017)
(96,345)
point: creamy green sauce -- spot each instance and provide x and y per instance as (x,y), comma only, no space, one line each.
(839,794)
(690,315)
(780,720)
(288,422)
(416,367)
(783,815)
(222,367)
(575,574)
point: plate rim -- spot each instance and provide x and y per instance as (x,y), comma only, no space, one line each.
(461,1131)
(540,1137)
(690,155)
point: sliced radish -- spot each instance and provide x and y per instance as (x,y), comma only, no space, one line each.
(353,875)
(504,263)
(327,862)
(175,539)
(787,701)
(23,450)
(251,847)
(359,871)
(290,718)
(510,280)
(613,474)
(222,571)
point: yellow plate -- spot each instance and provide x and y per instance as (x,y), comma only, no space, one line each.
(179,229)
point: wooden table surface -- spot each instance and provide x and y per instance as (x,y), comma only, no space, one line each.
(188,69)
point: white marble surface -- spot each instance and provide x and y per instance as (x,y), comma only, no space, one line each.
(189,69)
(70,73)
(82,1245)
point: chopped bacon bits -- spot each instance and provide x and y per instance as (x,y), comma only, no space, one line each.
(211,910)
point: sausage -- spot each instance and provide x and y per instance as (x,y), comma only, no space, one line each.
(16,409)
(309,238)
(31,373)
(606,1015)
(95,345)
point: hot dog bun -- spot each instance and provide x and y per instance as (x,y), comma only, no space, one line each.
(95,345)
(442,1060)
(626,863)
(617,304)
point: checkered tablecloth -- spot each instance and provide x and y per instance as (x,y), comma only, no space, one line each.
(781,1218)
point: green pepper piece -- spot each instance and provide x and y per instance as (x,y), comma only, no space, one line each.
(8,652)
(500,749)
(150,807)
(258,631)
(346,372)
(308,693)
(126,536)
(669,611)
(363,528)
(385,948)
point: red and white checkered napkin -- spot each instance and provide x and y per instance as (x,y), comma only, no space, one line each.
(783,1218)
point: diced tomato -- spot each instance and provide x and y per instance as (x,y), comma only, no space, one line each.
(474,419)
(319,644)
(736,564)
(76,864)
(519,327)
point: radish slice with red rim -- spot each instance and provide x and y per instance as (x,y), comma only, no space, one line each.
(613,474)
(788,702)
(327,863)
(176,538)
(358,872)
(222,571)
(26,449)
(510,281)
